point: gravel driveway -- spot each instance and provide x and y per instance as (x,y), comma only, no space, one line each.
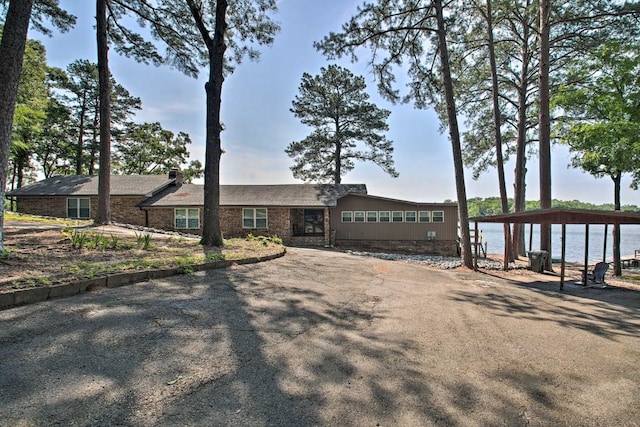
(324,338)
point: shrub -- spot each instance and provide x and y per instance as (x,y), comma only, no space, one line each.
(143,240)
(115,241)
(78,239)
(214,257)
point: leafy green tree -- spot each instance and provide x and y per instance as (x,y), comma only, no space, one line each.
(347,127)
(17,14)
(601,121)
(80,85)
(412,35)
(55,147)
(30,111)
(78,89)
(147,148)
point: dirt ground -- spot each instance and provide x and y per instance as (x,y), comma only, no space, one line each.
(323,338)
(42,253)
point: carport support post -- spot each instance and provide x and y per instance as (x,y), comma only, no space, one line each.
(475,246)
(604,245)
(564,240)
(586,254)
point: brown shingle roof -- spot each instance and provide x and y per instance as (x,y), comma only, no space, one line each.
(80,185)
(296,195)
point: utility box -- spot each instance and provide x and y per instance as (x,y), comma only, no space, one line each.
(537,260)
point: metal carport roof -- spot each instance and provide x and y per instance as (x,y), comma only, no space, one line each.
(563,217)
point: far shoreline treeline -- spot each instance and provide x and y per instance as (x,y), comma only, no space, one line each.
(479,206)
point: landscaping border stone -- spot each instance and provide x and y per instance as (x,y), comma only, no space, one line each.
(35,294)
(6,300)
(30,295)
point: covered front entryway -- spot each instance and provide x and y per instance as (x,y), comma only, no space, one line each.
(309,226)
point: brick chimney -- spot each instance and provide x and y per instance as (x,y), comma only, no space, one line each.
(177,176)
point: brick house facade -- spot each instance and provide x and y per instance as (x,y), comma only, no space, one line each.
(300,214)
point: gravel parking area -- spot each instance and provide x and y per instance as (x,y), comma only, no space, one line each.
(320,337)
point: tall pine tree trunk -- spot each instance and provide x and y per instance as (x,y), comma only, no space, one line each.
(519,194)
(80,144)
(497,123)
(211,232)
(454,133)
(12,46)
(617,265)
(544,150)
(103,214)
(337,158)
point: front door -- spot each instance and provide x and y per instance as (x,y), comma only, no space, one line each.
(314,222)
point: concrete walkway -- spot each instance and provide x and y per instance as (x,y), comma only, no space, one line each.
(324,338)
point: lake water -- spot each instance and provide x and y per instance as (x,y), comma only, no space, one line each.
(493,234)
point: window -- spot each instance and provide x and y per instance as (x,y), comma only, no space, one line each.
(383,216)
(431,235)
(78,208)
(372,216)
(410,216)
(358,216)
(187,218)
(397,216)
(254,218)
(347,216)
(437,216)
(424,216)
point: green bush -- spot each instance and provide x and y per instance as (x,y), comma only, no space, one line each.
(143,240)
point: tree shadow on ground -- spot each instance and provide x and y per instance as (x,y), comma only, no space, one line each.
(218,348)
(608,313)
(275,344)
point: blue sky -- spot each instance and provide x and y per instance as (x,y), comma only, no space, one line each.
(255,110)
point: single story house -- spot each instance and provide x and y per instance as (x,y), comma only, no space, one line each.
(301,214)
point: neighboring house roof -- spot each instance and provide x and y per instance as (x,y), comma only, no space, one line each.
(294,195)
(82,185)
(387,199)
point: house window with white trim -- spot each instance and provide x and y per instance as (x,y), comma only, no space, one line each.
(410,216)
(397,216)
(187,218)
(437,216)
(384,216)
(78,207)
(372,216)
(431,235)
(358,216)
(254,218)
(424,216)
(347,216)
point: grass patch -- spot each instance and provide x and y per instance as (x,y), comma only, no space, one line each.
(14,216)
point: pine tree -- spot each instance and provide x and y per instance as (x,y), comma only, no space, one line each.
(411,35)
(347,127)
